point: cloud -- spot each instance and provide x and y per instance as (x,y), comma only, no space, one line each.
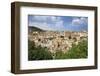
(46,22)
(42,25)
(39,18)
(84,20)
(79,21)
(59,24)
(45,18)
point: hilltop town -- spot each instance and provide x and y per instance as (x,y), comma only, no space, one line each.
(55,40)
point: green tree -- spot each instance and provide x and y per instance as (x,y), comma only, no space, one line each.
(78,51)
(58,54)
(31,45)
(38,53)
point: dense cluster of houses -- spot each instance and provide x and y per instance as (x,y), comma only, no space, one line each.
(54,41)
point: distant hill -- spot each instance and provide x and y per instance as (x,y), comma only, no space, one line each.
(31,28)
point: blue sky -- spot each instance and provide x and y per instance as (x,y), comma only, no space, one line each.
(58,23)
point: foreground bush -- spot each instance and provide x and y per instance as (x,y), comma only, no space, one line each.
(38,53)
(77,51)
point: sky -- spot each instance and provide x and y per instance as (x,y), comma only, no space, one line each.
(58,23)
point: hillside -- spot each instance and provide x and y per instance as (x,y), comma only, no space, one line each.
(31,28)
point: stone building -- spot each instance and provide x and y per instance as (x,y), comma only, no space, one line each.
(55,41)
